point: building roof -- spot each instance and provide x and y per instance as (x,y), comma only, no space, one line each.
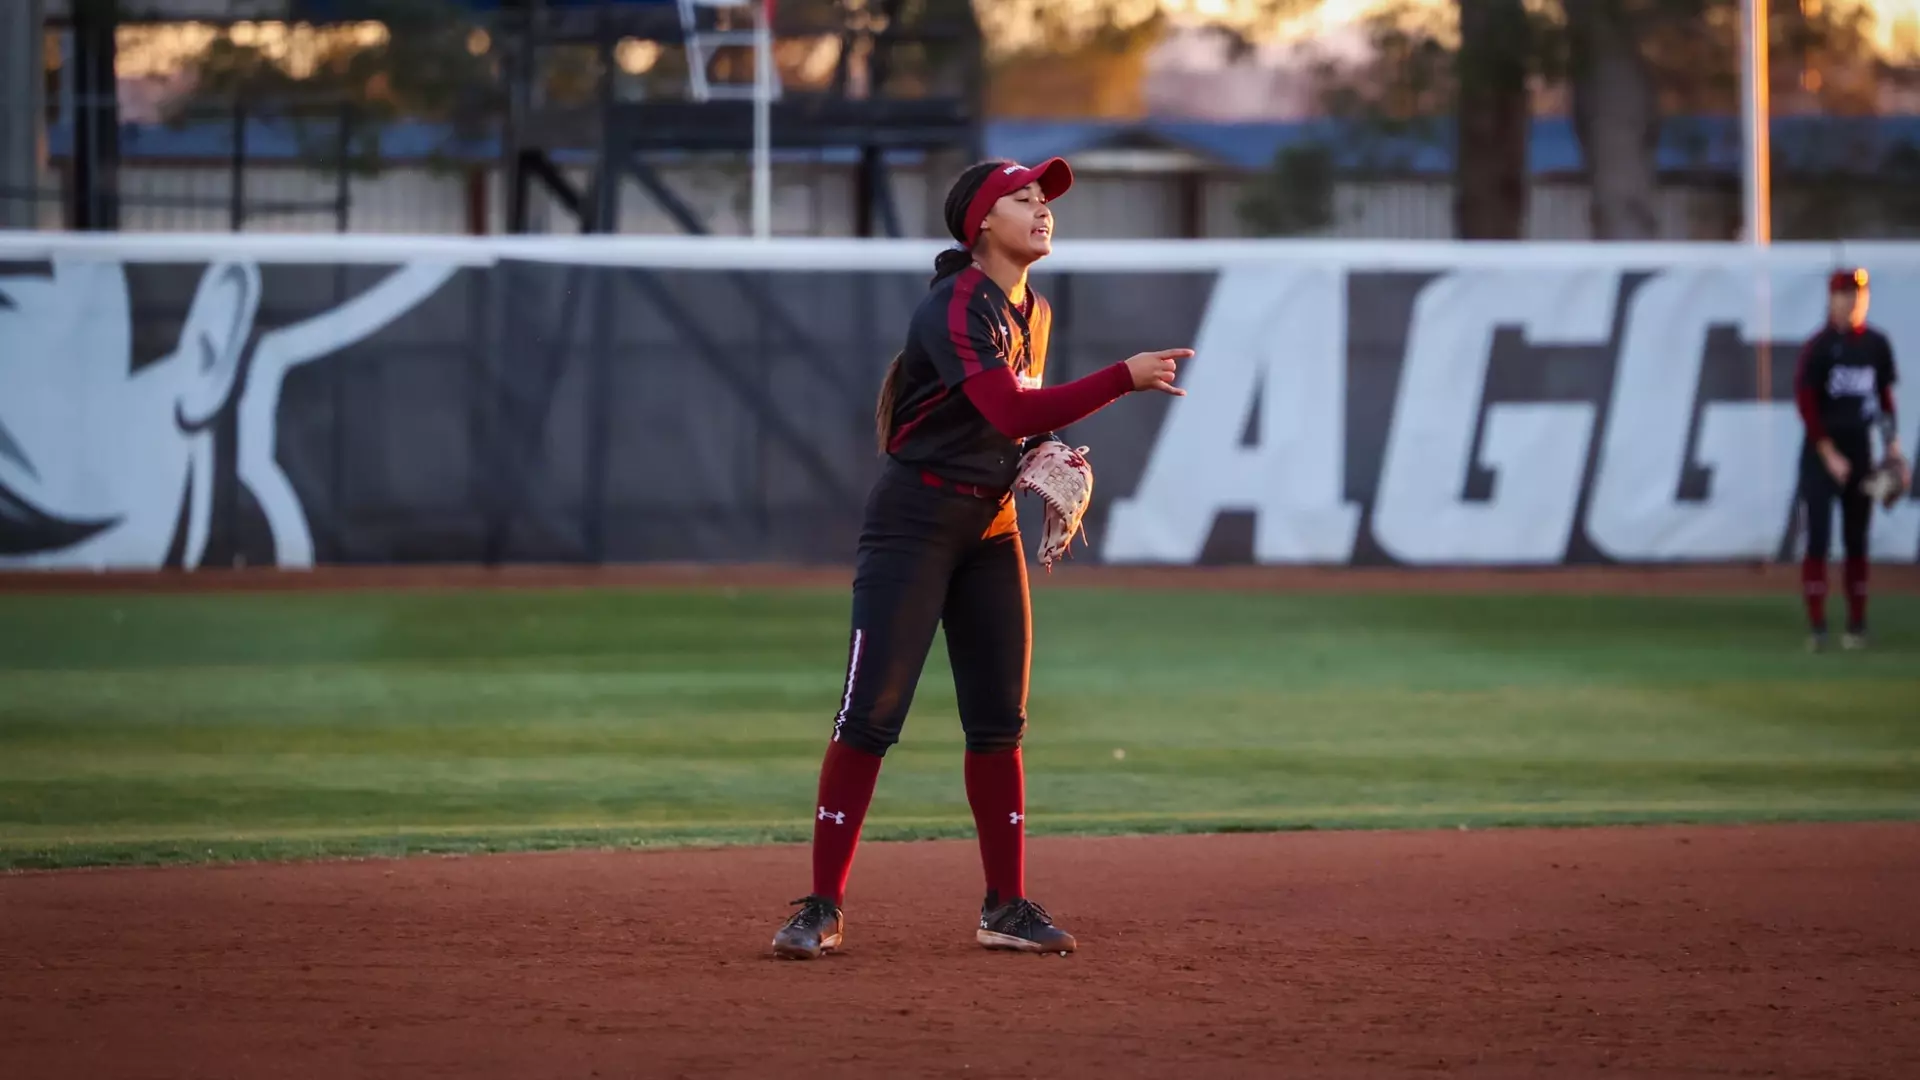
(1698,145)
(1687,144)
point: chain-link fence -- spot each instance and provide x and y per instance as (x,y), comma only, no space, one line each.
(214,177)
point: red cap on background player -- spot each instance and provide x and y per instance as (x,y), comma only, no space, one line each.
(1846,281)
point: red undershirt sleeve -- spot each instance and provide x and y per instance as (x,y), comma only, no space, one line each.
(1803,397)
(1020,414)
(1889,374)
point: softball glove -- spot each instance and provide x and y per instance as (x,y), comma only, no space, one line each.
(1060,475)
(1887,483)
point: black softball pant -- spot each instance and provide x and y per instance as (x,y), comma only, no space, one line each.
(1819,491)
(932,556)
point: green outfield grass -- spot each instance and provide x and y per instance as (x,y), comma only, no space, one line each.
(187,727)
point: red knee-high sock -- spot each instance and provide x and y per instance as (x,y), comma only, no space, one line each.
(997,791)
(1813,588)
(1856,592)
(847,778)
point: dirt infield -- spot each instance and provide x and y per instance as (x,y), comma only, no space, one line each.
(1777,951)
(1745,578)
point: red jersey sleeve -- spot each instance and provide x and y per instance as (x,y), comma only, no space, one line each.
(1806,396)
(1889,375)
(1020,414)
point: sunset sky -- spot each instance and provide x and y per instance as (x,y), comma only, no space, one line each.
(1005,16)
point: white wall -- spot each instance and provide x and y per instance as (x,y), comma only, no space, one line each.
(817,200)
(1416,210)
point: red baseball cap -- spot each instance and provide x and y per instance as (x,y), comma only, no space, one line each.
(1053,174)
(1844,281)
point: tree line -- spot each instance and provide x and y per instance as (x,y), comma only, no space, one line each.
(1473,74)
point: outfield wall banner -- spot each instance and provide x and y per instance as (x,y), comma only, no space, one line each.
(215,401)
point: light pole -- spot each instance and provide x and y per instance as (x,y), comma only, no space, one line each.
(1757,201)
(1757,179)
(763,123)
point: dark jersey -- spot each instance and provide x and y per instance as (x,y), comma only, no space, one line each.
(964,326)
(1845,384)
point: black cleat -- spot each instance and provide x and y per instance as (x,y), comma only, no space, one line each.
(814,929)
(1021,926)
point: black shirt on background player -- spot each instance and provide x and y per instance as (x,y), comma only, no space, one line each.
(1844,389)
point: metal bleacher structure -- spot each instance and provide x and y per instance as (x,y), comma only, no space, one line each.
(717,115)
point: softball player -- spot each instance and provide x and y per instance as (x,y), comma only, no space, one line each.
(1844,389)
(940,544)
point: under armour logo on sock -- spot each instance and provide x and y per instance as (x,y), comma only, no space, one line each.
(838,817)
(1016,818)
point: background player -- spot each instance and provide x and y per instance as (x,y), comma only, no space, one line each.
(1844,389)
(941,545)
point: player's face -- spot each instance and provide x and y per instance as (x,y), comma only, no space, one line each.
(89,447)
(1848,308)
(1021,224)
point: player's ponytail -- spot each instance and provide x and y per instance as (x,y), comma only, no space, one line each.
(949,262)
(883,410)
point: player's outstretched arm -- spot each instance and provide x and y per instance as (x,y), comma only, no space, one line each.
(1020,414)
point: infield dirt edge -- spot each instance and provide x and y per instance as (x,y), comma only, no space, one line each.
(1718,579)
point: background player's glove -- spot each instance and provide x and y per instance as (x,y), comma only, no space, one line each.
(1060,475)
(1887,482)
